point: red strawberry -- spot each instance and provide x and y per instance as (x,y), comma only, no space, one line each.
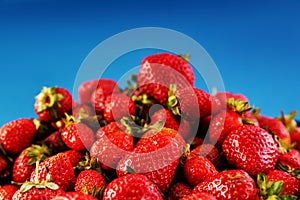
(131,186)
(24,163)
(220,100)
(194,103)
(109,128)
(74,196)
(148,153)
(290,162)
(178,190)
(73,156)
(82,110)
(60,169)
(52,103)
(197,169)
(90,182)
(276,127)
(210,152)
(118,106)
(77,136)
(111,147)
(291,185)
(158,71)
(295,137)
(3,164)
(86,90)
(231,184)
(166,116)
(105,88)
(54,142)
(37,193)
(7,191)
(252,149)
(17,135)
(199,196)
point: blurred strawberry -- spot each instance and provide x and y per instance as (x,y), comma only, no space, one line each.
(86,90)
(118,106)
(290,162)
(199,196)
(178,190)
(7,191)
(54,142)
(17,135)
(52,103)
(109,128)
(210,152)
(3,163)
(74,196)
(73,156)
(131,186)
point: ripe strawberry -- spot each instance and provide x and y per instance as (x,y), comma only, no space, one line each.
(221,125)
(295,138)
(178,190)
(37,193)
(86,90)
(111,147)
(194,103)
(90,182)
(77,136)
(3,164)
(17,135)
(109,128)
(7,191)
(231,184)
(148,153)
(290,162)
(74,196)
(105,88)
(158,71)
(199,196)
(24,163)
(131,186)
(52,103)
(54,142)
(210,152)
(197,169)
(73,156)
(166,116)
(252,149)
(220,100)
(60,169)
(82,111)
(276,127)
(118,106)
(291,185)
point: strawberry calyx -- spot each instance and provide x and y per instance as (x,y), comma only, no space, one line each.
(37,153)
(186,152)
(98,193)
(288,120)
(238,105)
(270,190)
(49,100)
(292,171)
(185,57)
(172,102)
(89,163)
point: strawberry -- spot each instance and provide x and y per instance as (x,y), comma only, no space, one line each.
(158,71)
(24,163)
(77,136)
(82,111)
(86,89)
(3,164)
(118,106)
(197,168)
(197,141)
(220,100)
(54,142)
(295,137)
(90,182)
(277,128)
(74,196)
(37,193)
(231,184)
(290,162)
(17,135)
(111,147)
(60,170)
(7,191)
(194,103)
(210,152)
(105,88)
(252,149)
(131,186)
(178,190)
(73,156)
(291,185)
(199,196)
(109,128)
(52,103)
(146,157)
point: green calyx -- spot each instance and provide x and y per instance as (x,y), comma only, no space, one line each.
(238,106)
(288,120)
(173,103)
(185,57)
(48,99)
(37,153)
(98,193)
(294,172)
(271,190)
(89,163)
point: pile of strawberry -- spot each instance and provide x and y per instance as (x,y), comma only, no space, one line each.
(118,144)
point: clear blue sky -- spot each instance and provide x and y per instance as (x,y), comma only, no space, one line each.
(255,44)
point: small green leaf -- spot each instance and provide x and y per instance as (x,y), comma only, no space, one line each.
(130,170)
(26,186)
(275,188)
(52,186)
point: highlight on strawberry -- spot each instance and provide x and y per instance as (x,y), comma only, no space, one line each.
(159,137)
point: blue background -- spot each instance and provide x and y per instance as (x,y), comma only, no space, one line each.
(255,44)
